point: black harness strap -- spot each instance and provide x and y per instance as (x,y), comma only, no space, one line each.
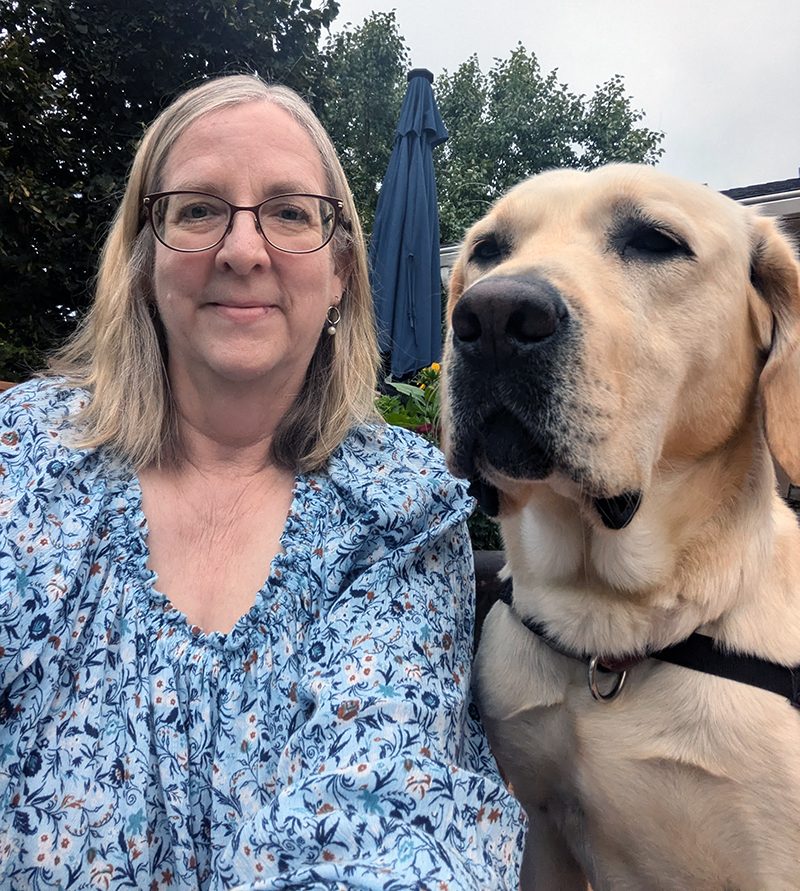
(701,653)
(698,653)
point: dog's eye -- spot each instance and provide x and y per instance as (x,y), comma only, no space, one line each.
(648,241)
(486,250)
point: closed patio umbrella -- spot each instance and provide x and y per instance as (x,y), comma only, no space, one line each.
(404,250)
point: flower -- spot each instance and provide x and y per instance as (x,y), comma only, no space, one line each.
(39,627)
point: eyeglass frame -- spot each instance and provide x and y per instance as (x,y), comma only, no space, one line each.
(150,200)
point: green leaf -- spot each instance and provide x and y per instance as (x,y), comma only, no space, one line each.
(417,394)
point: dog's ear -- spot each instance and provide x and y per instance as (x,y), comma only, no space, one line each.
(775,275)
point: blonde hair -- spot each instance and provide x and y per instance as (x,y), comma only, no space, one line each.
(119,351)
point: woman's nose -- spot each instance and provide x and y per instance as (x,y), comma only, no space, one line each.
(243,246)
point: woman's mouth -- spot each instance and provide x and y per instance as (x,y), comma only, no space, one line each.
(242,312)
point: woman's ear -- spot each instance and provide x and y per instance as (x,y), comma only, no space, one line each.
(775,275)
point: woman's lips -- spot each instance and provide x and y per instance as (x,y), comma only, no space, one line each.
(242,312)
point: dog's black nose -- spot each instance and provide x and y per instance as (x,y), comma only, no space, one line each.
(508,314)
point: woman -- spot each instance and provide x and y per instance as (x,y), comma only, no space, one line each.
(168,718)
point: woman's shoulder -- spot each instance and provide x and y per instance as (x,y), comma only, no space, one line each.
(37,432)
(40,407)
(390,465)
(393,452)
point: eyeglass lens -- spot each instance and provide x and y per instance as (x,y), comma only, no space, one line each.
(192,221)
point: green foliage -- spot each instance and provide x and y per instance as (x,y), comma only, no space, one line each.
(484,532)
(609,132)
(418,406)
(79,81)
(365,81)
(39,213)
(516,121)
(504,125)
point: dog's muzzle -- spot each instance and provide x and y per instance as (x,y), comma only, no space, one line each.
(505,345)
(503,337)
(516,351)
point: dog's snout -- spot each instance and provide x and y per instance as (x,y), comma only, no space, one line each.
(508,314)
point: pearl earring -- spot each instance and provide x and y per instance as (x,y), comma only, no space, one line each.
(332,320)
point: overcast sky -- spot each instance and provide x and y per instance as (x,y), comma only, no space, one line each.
(721,78)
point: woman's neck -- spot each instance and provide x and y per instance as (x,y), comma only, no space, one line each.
(230,425)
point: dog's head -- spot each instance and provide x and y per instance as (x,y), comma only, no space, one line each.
(604,325)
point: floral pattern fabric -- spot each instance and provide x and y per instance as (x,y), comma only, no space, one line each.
(327,742)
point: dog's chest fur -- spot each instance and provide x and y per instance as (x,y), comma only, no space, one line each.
(674,785)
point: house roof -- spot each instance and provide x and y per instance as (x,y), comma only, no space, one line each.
(763,189)
(780,199)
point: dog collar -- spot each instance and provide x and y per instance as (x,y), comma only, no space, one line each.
(698,652)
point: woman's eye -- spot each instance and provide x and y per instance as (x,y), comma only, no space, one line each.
(286,213)
(192,213)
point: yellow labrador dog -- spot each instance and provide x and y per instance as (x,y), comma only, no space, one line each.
(624,352)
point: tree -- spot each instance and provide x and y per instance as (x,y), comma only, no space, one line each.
(365,80)
(516,121)
(37,209)
(608,129)
(79,81)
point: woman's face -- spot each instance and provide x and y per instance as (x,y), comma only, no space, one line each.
(243,310)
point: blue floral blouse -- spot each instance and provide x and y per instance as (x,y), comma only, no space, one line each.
(326,742)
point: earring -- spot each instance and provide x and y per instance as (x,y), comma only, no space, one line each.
(333,321)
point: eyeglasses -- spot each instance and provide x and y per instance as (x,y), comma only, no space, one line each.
(196,221)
